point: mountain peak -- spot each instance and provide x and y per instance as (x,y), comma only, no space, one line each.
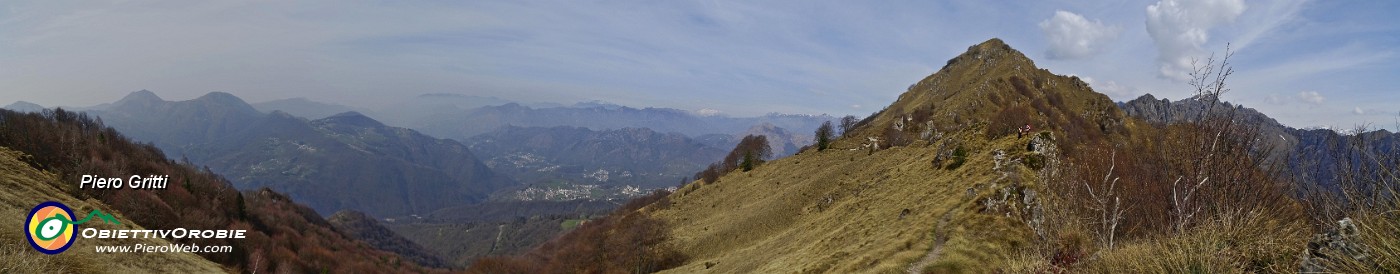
(994,44)
(23,106)
(993,82)
(141,96)
(765,127)
(990,52)
(1146,97)
(352,118)
(220,97)
(138,100)
(225,102)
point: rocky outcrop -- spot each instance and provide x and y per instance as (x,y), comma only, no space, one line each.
(1340,242)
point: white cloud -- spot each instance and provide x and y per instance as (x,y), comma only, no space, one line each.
(1264,19)
(1306,97)
(1180,27)
(1373,112)
(1071,36)
(1086,79)
(708,112)
(1350,56)
(1311,97)
(1113,89)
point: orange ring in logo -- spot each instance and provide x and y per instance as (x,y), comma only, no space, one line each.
(50,227)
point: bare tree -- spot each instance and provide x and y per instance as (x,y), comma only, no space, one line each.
(1225,169)
(751,151)
(1109,215)
(1208,81)
(848,124)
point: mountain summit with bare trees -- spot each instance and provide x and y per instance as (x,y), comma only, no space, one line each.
(939,182)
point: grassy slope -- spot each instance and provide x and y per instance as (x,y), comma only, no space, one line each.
(975,86)
(25,187)
(768,220)
(282,236)
(776,218)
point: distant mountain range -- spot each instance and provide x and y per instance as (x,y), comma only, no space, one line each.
(43,155)
(345,161)
(580,156)
(305,108)
(462,124)
(597,144)
(463,117)
(342,159)
(1310,156)
(22,106)
(482,120)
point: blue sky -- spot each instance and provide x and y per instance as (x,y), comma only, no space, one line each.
(1306,63)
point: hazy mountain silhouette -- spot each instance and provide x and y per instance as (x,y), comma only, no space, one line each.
(305,108)
(345,161)
(42,156)
(615,157)
(22,106)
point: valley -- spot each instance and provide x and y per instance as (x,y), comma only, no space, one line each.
(539,182)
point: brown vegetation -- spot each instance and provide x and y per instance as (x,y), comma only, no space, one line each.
(848,124)
(1007,121)
(1358,218)
(282,235)
(751,151)
(25,187)
(1188,197)
(626,241)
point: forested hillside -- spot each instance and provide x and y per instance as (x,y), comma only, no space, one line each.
(282,235)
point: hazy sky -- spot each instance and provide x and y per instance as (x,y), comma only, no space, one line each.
(1307,63)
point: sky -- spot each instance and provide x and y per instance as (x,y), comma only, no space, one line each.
(1305,63)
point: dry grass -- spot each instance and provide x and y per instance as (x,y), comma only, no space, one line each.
(25,187)
(1243,242)
(20,258)
(839,211)
(1240,242)
(1378,238)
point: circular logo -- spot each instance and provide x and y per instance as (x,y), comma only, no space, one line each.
(50,227)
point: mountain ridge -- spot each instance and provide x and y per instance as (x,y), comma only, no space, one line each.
(628,156)
(282,236)
(319,162)
(1307,153)
(942,181)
